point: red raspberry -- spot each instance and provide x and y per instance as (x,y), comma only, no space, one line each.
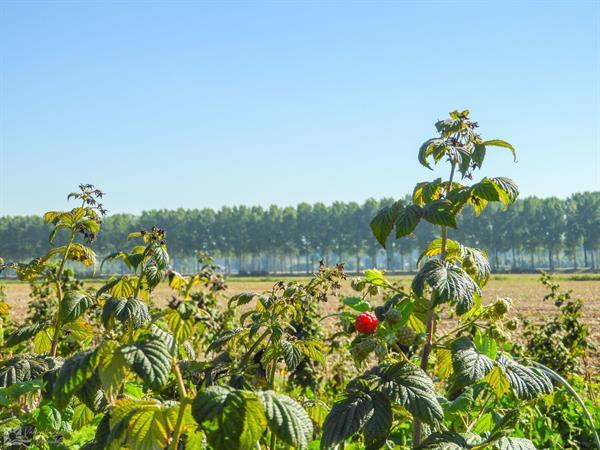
(366,323)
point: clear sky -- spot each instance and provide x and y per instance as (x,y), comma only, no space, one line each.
(197,104)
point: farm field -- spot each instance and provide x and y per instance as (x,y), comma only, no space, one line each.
(526,291)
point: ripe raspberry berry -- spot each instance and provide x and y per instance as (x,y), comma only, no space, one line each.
(366,323)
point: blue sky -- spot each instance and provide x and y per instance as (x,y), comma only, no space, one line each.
(192,104)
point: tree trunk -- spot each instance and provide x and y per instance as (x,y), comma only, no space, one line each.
(550,261)
(357,264)
(532,260)
(585,259)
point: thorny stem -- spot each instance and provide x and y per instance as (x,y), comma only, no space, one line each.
(417,429)
(59,294)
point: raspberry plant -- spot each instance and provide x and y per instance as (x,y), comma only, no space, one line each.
(445,383)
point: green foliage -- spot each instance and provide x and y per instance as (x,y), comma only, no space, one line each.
(266,370)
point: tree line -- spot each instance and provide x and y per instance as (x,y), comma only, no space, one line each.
(533,233)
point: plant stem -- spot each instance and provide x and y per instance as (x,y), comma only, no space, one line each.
(272,387)
(59,295)
(417,428)
(184,400)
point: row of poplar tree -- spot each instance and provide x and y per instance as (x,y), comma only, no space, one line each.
(533,233)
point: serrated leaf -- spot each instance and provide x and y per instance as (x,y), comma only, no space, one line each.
(444,363)
(291,355)
(82,416)
(357,304)
(311,349)
(76,252)
(377,428)
(526,382)
(501,143)
(180,327)
(345,419)
(445,440)
(383,223)
(230,418)
(407,219)
(439,212)
(224,337)
(512,443)
(22,368)
(73,374)
(375,277)
(287,419)
(73,305)
(470,366)
(498,381)
(47,417)
(142,424)
(150,360)
(507,189)
(449,283)
(132,311)
(42,342)
(410,386)
(25,333)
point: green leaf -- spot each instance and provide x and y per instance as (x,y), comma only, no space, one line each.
(407,220)
(507,189)
(357,304)
(42,342)
(132,311)
(47,417)
(461,403)
(345,419)
(526,382)
(73,305)
(445,440)
(73,374)
(142,424)
(469,364)
(498,381)
(383,223)
(77,252)
(311,349)
(224,337)
(150,360)
(16,390)
(25,333)
(230,418)
(511,443)
(449,283)
(439,212)
(377,429)
(82,416)
(287,419)
(22,368)
(410,386)
(478,154)
(476,264)
(180,326)
(435,147)
(501,143)
(291,354)
(375,277)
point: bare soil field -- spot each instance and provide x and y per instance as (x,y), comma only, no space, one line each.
(526,292)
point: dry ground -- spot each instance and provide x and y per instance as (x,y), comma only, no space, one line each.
(525,290)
